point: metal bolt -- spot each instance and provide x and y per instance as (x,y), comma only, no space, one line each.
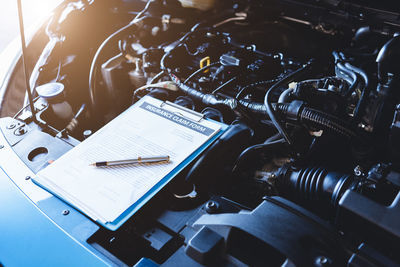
(27,178)
(321,261)
(211,206)
(358,170)
(65,212)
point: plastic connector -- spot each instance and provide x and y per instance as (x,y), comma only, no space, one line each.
(294,110)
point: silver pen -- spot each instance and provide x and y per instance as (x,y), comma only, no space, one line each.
(139,160)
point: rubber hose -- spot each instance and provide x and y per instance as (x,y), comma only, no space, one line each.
(267,99)
(246,156)
(285,95)
(307,115)
(97,59)
(207,99)
(314,184)
(327,121)
(359,71)
(222,153)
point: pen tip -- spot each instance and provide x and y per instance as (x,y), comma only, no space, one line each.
(92,164)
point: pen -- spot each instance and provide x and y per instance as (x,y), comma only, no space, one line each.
(155,159)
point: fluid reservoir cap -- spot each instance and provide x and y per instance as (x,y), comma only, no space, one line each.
(50,90)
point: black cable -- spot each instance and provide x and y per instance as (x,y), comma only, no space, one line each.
(181,40)
(267,100)
(97,58)
(253,106)
(255,149)
(285,95)
(148,89)
(307,115)
(243,89)
(224,84)
(273,138)
(157,77)
(191,76)
(207,99)
(190,52)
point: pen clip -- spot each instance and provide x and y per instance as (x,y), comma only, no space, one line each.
(177,109)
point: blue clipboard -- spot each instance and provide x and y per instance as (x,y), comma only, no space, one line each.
(127,214)
(161,184)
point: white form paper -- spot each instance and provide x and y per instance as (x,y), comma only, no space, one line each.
(146,129)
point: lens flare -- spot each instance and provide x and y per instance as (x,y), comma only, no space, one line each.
(38,9)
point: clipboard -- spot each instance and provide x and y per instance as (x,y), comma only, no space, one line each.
(132,209)
(191,115)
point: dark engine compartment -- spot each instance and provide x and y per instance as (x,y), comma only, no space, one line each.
(308,172)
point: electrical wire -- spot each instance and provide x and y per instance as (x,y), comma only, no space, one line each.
(157,77)
(190,52)
(191,76)
(239,17)
(181,40)
(243,89)
(256,149)
(168,85)
(267,100)
(97,58)
(223,85)
(143,10)
(110,39)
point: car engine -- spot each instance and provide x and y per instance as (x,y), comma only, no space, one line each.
(308,171)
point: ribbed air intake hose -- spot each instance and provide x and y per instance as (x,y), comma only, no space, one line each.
(316,185)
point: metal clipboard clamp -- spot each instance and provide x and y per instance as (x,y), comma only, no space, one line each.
(182,111)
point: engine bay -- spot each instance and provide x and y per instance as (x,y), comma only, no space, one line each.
(308,172)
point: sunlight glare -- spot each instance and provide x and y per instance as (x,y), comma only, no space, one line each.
(35,10)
